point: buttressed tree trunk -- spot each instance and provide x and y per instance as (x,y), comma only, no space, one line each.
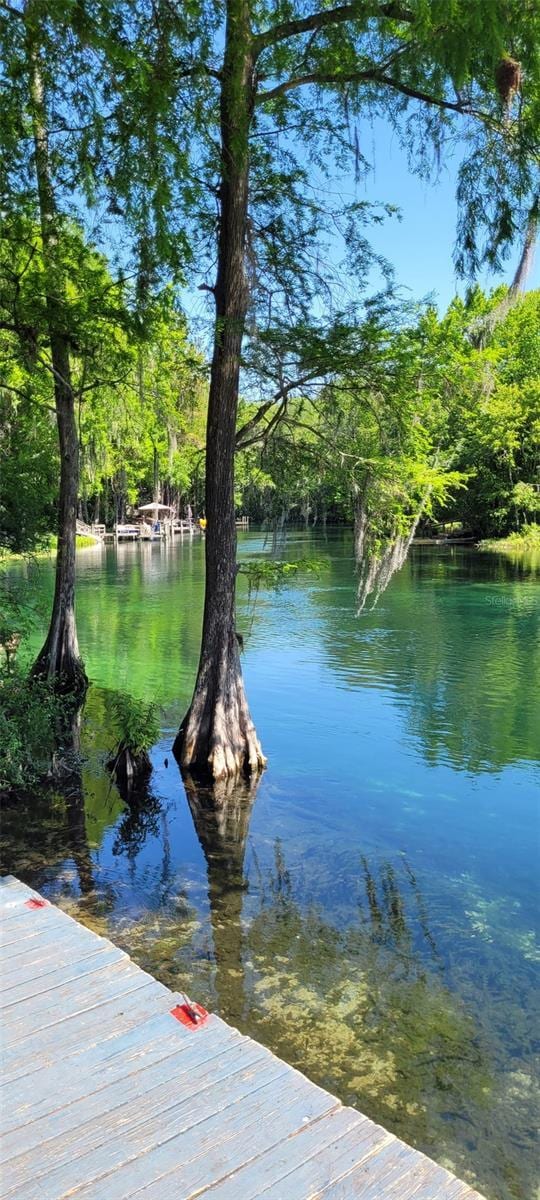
(217,736)
(59,660)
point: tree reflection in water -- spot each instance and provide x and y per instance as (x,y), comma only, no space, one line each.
(221,818)
(363,1008)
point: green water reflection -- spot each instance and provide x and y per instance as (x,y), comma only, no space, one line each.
(370,912)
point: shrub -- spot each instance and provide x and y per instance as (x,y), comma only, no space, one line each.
(137,723)
(137,726)
(29,718)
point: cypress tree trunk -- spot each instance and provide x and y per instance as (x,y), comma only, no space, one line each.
(59,660)
(217,736)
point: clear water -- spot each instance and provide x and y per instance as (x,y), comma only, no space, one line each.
(369,912)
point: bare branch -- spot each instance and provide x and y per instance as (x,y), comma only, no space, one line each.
(328,17)
(278,397)
(372,75)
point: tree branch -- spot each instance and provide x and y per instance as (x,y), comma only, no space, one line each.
(321,20)
(278,396)
(8,387)
(262,435)
(371,75)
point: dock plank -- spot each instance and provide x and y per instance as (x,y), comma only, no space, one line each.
(397,1175)
(276,1163)
(107,1097)
(71,999)
(41,945)
(29,923)
(65,973)
(238,1133)
(64,1083)
(249,1147)
(35,969)
(98,1024)
(178,1066)
(101,1148)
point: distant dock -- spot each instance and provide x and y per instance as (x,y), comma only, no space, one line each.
(143,531)
(112,1089)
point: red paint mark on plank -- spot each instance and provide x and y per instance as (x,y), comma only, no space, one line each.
(192,1015)
(33,903)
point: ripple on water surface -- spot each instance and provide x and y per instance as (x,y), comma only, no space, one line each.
(369,911)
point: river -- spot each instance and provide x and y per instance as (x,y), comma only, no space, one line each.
(369,910)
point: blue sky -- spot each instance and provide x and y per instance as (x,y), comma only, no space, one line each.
(420,246)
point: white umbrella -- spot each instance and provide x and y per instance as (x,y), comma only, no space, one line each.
(154,507)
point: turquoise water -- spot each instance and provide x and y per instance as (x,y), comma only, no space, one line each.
(369,911)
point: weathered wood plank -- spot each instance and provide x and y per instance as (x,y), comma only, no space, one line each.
(29,923)
(13,891)
(101,1147)
(273,1165)
(107,1097)
(384,1174)
(238,1152)
(40,943)
(178,1065)
(35,1016)
(65,1082)
(38,965)
(184,1165)
(397,1174)
(46,985)
(97,1024)
(331,1162)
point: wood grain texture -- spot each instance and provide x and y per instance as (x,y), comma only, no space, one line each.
(107,1097)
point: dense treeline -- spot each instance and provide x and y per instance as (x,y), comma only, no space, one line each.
(423,424)
(414,423)
(140,399)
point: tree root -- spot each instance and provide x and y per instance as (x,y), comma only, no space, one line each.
(217,739)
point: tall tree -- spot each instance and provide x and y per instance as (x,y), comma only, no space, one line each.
(373,58)
(59,658)
(36,177)
(267,99)
(51,141)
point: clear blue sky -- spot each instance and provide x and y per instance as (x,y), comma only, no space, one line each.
(420,246)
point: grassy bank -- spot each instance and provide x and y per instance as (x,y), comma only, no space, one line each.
(49,548)
(528,538)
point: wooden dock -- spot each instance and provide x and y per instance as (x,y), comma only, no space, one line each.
(107,1095)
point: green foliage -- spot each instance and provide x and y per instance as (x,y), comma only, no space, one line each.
(18,616)
(493,429)
(398,418)
(528,538)
(271,573)
(136,722)
(30,713)
(363,401)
